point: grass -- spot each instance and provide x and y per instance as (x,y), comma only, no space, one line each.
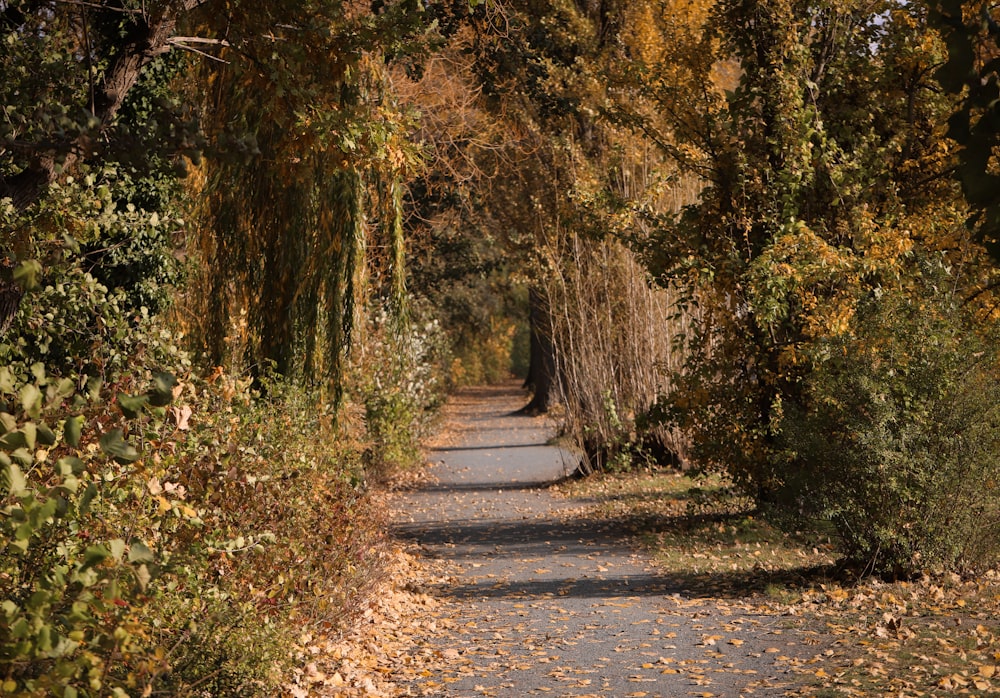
(935,636)
(703,531)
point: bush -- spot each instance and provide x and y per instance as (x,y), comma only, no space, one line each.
(88,555)
(399,384)
(149,545)
(151,523)
(899,440)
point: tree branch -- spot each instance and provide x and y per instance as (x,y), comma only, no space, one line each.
(147,39)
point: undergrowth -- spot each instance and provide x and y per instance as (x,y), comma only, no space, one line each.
(167,529)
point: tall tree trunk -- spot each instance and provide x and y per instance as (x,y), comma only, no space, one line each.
(542,368)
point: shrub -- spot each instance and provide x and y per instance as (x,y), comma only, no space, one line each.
(87,555)
(150,546)
(399,384)
(899,440)
(151,523)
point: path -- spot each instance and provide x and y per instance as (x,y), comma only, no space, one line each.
(545,602)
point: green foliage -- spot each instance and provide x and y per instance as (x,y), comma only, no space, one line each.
(81,585)
(155,553)
(898,443)
(100,269)
(400,384)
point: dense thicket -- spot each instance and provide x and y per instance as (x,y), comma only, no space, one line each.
(202,210)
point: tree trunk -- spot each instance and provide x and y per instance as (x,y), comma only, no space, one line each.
(147,39)
(542,367)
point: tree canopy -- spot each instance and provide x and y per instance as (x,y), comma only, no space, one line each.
(749,237)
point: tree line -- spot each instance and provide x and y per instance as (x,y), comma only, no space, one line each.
(248,248)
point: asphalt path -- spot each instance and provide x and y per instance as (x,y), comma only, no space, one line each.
(543,601)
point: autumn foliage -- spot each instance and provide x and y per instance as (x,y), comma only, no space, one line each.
(247,247)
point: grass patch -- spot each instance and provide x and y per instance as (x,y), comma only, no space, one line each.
(704,532)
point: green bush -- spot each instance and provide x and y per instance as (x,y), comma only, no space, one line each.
(86,558)
(152,534)
(97,269)
(898,443)
(400,387)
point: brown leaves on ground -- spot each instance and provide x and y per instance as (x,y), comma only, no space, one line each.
(936,636)
(387,646)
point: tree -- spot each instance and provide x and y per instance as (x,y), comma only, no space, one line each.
(74,68)
(972,71)
(827,202)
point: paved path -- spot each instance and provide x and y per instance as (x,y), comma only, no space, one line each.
(543,602)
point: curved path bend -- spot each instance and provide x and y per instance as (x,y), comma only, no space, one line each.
(542,601)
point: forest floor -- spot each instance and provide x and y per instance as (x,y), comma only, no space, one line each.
(508,581)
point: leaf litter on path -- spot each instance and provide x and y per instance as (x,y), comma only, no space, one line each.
(551,597)
(723,606)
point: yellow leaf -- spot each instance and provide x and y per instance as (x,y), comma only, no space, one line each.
(837,594)
(988,671)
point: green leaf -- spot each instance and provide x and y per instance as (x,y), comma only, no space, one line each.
(31,400)
(71,244)
(65,388)
(131,405)
(38,371)
(11,476)
(69,484)
(30,432)
(94,555)
(72,430)
(43,640)
(7,381)
(7,422)
(46,437)
(23,532)
(162,392)
(70,465)
(27,274)
(142,576)
(94,388)
(14,439)
(140,552)
(113,443)
(89,495)
(117,547)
